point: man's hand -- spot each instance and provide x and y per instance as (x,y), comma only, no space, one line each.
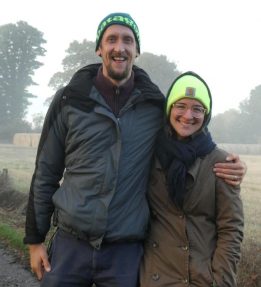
(39,260)
(233,171)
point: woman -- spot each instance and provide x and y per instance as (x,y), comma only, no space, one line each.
(197,219)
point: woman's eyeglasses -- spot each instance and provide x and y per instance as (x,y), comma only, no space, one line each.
(196,111)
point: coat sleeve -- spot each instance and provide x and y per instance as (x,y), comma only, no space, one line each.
(49,168)
(230,224)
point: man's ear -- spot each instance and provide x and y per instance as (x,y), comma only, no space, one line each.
(137,53)
(98,53)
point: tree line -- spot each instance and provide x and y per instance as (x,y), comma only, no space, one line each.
(21,45)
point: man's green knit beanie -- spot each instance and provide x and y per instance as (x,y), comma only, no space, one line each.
(118,19)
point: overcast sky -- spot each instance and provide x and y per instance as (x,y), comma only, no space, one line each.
(218,39)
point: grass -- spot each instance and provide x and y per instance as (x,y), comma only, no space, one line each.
(12,236)
(250,265)
(20,164)
(12,239)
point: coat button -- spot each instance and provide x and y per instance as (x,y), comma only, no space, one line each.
(185,281)
(185,248)
(155,277)
(155,244)
(181,216)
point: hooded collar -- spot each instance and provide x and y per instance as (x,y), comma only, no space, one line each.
(83,81)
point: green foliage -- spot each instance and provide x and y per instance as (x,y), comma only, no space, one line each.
(20,45)
(12,237)
(161,71)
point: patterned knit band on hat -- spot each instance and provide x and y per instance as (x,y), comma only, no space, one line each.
(189,85)
(118,19)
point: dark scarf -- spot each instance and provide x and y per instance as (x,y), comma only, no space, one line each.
(176,157)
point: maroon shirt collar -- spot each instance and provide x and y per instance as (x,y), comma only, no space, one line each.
(107,88)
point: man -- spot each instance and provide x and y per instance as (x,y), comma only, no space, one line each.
(98,136)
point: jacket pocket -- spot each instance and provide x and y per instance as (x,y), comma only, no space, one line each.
(201,273)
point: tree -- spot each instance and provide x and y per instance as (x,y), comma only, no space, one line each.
(241,126)
(251,114)
(37,122)
(20,45)
(78,55)
(161,71)
(225,127)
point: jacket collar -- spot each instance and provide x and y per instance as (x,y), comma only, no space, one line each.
(83,81)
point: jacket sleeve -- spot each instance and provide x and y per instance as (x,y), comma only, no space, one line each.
(230,224)
(49,168)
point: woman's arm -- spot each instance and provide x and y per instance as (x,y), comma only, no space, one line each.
(230,223)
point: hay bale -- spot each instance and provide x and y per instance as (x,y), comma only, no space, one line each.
(35,138)
(22,139)
(26,139)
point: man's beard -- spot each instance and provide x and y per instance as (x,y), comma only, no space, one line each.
(118,76)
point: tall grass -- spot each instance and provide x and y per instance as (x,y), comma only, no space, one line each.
(250,265)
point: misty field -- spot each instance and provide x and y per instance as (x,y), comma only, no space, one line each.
(20,164)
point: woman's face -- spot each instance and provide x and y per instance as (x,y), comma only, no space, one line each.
(187,117)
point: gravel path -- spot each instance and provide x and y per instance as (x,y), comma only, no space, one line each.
(12,274)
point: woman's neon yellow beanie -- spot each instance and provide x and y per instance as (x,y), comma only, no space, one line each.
(189,85)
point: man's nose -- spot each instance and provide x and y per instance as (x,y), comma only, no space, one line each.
(119,46)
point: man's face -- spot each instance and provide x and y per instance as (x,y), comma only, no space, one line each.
(118,51)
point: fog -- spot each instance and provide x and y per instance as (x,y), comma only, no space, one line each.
(217,39)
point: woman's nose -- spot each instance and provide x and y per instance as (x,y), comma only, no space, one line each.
(188,113)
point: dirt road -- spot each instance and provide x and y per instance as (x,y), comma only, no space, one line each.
(13,274)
